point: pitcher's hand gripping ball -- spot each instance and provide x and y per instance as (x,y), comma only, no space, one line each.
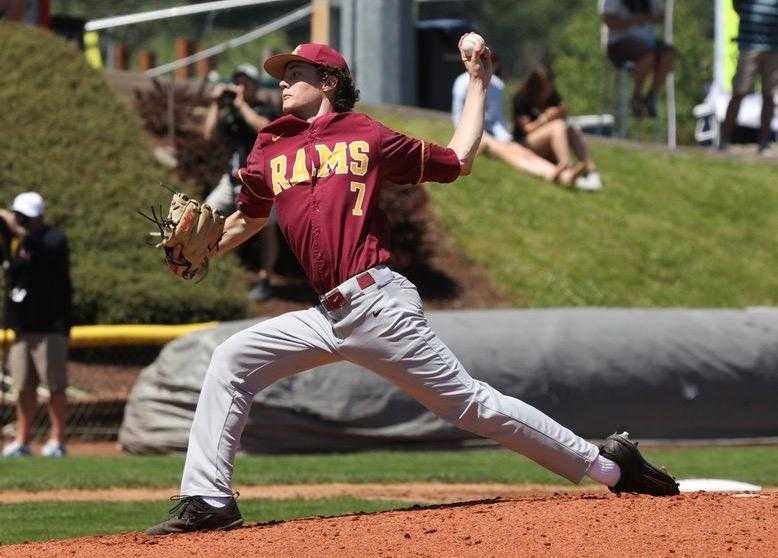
(189,235)
(470,43)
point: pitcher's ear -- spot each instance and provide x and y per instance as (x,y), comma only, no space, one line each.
(329,82)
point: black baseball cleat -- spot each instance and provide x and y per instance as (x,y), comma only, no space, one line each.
(637,474)
(191,513)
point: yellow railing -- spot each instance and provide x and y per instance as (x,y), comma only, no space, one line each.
(113,335)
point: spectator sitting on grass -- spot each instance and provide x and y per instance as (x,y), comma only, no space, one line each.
(632,37)
(497,139)
(540,124)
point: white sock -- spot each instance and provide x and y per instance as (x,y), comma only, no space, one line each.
(217,501)
(604,471)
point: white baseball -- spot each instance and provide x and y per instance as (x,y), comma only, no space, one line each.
(469,43)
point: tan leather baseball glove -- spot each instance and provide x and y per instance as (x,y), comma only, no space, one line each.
(189,235)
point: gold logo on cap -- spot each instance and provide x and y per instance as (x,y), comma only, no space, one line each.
(297,49)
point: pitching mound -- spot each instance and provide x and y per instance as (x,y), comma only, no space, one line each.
(586,524)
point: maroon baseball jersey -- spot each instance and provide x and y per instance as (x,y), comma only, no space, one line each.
(324,178)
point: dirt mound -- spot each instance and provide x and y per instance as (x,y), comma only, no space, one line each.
(560,525)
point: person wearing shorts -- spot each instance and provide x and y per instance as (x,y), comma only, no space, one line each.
(498,139)
(758,42)
(39,359)
(540,123)
(632,38)
(38,311)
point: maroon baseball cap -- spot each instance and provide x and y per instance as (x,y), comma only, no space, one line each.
(313,53)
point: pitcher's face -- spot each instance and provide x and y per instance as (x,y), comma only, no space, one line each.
(301,89)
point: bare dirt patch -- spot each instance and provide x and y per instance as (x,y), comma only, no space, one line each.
(81,448)
(102,380)
(589,524)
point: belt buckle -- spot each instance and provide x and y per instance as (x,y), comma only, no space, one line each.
(364,280)
(334,300)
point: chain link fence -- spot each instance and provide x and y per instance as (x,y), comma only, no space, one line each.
(100,383)
(103,364)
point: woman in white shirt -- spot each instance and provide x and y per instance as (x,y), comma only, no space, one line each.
(498,140)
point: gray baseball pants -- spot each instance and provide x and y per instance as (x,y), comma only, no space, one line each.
(383,328)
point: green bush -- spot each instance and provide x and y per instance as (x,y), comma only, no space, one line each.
(66,135)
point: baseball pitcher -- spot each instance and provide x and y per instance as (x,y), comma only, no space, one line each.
(322,167)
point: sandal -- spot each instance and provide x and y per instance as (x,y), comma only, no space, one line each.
(566,175)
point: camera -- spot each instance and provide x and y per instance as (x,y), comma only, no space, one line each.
(227,98)
(5,243)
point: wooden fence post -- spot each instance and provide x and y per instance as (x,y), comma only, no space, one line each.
(146,60)
(184,48)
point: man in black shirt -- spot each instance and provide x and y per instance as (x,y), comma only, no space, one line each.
(37,309)
(236,116)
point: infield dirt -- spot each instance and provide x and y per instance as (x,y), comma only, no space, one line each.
(581,524)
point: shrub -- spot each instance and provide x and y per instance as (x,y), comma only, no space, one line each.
(66,135)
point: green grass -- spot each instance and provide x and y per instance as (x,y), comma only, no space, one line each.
(53,520)
(754,464)
(682,229)
(68,136)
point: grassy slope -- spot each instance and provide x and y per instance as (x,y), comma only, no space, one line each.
(65,134)
(668,230)
(755,465)
(44,521)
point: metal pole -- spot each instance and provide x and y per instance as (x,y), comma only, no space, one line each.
(672,134)
(621,118)
(719,48)
(171,111)
(130,19)
(279,23)
(385,33)
(607,72)
(347,14)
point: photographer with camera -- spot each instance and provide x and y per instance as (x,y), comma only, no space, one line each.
(37,308)
(235,115)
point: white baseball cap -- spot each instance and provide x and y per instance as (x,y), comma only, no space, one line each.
(29,204)
(248,70)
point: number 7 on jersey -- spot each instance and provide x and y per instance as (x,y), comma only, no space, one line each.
(359,188)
